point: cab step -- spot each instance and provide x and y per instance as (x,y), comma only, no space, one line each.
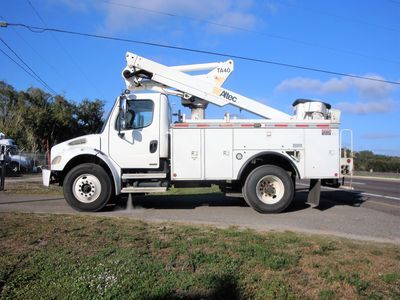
(132,189)
(143,175)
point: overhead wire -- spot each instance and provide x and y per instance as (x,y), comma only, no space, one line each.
(221,54)
(25,70)
(27,66)
(274,36)
(33,49)
(61,45)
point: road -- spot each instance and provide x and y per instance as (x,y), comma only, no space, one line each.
(377,193)
(370,212)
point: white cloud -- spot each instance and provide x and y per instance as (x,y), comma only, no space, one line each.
(363,108)
(373,96)
(230,21)
(367,89)
(123,15)
(333,85)
(76,5)
(271,6)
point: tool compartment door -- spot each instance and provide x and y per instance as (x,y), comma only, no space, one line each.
(218,153)
(186,154)
(322,153)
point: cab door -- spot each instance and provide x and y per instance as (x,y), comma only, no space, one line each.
(137,143)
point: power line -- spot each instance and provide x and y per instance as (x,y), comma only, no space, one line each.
(274,36)
(37,29)
(25,70)
(179,16)
(34,50)
(27,66)
(61,45)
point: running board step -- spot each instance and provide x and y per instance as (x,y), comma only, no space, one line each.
(143,189)
(143,175)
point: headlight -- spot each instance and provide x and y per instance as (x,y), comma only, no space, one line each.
(56,160)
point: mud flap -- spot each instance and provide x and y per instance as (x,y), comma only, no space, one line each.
(314,192)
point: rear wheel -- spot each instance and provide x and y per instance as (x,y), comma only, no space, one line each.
(268,189)
(87,187)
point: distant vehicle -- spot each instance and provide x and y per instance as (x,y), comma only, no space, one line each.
(16,163)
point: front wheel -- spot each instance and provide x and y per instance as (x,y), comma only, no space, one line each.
(87,187)
(13,168)
(268,189)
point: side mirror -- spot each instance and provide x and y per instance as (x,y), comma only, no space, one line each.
(122,115)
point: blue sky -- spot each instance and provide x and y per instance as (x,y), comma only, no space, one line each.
(355,37)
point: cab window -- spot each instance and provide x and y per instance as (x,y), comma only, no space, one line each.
(139,114)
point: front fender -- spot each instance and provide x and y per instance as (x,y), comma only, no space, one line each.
(62,159)
(69,155)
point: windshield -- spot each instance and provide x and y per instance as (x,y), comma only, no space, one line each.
(13,150)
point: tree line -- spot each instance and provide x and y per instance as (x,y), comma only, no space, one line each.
(367,160)
(37,120)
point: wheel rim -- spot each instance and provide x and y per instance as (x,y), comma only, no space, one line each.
(14,167)
(86,188)
(270,189)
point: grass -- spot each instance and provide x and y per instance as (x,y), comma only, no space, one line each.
(86,257)
(378,174)
(29,185)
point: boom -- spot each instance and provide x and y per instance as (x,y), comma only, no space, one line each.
(196,90)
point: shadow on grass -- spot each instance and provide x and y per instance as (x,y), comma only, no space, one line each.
(224,287)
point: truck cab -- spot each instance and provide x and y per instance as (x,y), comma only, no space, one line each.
(138,132)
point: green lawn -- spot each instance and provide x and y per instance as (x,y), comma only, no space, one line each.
(378,174)
(87,257)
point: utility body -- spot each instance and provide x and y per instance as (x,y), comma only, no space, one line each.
(141,150)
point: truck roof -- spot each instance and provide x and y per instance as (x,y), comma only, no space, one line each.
(7,142)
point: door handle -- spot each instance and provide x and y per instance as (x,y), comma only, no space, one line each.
(153,146)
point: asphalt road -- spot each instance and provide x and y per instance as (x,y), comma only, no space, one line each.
(377,193)
(369,212)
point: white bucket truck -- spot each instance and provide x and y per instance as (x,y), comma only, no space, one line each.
(141,150)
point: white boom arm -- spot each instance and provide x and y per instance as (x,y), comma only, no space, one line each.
(141,73)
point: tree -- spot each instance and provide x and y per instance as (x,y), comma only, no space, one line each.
(89,115)
(367,160)
(35,119)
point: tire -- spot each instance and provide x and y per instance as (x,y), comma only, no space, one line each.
(13,168)
(268,189)
(87,187)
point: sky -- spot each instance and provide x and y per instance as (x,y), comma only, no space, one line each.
(354,37)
